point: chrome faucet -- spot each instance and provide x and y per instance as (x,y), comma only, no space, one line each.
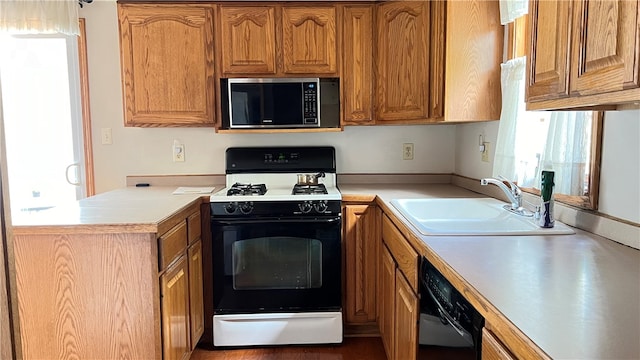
(514,193)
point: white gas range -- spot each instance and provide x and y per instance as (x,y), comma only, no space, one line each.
(277,248)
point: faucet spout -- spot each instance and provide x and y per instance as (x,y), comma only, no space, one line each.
(514,194)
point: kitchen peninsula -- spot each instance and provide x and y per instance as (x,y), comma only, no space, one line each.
(117,275)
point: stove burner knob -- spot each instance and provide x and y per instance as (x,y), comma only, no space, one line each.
(246,207)
(305,207)
(321,206)
(231,207)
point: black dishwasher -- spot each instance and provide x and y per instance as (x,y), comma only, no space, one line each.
(449,328)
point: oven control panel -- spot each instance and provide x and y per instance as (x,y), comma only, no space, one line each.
(275,208)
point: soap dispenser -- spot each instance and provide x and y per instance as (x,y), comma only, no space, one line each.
(546,219)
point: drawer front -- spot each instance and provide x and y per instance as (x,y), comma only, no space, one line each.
(172,244)
(194,227)
(402,252)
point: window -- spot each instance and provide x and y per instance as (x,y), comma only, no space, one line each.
(567,142)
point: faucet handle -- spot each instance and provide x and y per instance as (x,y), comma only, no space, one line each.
(514,188)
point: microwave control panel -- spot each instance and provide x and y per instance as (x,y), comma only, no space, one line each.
(310,102)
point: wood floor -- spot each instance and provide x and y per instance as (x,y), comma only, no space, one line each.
(366,348)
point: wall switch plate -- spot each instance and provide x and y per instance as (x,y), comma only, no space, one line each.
(105,135)
(485,153)
(178,152)
(407,151)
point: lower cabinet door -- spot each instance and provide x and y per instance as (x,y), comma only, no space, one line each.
(195,293)
(406,328)
(492,348)
(386,299)
(174,287)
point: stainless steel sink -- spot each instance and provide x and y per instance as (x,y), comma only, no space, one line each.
(470,216)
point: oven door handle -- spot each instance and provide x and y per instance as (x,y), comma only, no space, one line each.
(331,220)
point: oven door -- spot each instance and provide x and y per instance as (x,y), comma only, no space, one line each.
(276,265)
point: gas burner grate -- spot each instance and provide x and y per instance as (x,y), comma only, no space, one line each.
(247,189)
(319,189)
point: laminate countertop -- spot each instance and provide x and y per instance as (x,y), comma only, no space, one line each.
(574,296)
(130,209)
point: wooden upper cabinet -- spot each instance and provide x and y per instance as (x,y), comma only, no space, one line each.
(402,62)
(248,38)
(309,39)
(167,64)
(548,64)
(606,46)
(583,54)
(357,69)
(474,50)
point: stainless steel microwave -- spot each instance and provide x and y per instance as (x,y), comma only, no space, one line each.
(274,102)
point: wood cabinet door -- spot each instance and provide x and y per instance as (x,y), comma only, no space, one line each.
(248,39)
(492,348)
(474,48)
(196,303)
(309,39)
(174,287)
(402,66)
(386,300)
(406,314)
(606,42)
(548,54)
(362,232)
(357,68)
(172,244)
(167,64)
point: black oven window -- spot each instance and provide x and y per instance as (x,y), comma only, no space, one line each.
(277,262)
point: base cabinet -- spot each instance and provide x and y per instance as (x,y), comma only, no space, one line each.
(386,300)
(361,234)
(492,348)
(123,293)
(398,299)
(175,311)
(406,314)
(181,286)
(196,290)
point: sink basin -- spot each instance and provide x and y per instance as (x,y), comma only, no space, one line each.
(470,216)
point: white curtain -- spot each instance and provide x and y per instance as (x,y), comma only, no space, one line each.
(512,81)
(512,9)
(567,151)
(39,17)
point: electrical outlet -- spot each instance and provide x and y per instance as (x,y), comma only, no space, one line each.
(178,152)
(106,136)
(407,151)
(485,153)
